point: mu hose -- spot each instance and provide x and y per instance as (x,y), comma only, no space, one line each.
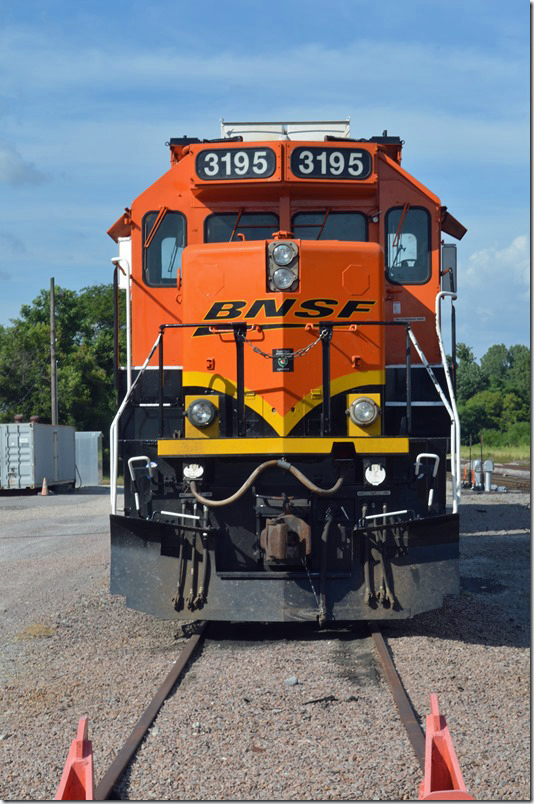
(274,464)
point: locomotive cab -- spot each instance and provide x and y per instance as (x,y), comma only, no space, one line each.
(286,409)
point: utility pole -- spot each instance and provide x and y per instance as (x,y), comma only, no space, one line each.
(53,364)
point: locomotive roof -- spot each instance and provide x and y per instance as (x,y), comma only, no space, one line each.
(294,131)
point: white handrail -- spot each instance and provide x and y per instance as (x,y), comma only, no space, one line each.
(441,295)
(114,433)
(128,273)
(387,513)
(431,455)
(437,386)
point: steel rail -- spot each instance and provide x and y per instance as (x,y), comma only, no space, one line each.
(105,787)
(407,713)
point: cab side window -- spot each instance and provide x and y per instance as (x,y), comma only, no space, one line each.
(408,245)
(164,239)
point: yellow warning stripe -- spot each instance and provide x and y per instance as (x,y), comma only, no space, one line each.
(202,447)
(282,425)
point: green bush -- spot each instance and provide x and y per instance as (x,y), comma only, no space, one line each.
(517,435)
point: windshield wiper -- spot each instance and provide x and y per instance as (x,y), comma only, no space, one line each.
(236,224)
(326,214)
(161,214)
(396,240)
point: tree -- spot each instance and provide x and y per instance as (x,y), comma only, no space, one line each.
(84,349)
(518,378)
(513,410)
(469,379)
(494,366)
(482,411)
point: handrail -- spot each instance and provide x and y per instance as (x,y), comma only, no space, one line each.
(114,434)
(239,328)
(437,386)
(441,295)
(410,337)
(128,273)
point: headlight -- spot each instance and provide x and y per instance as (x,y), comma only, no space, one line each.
(201,412)
(283,254)
(363,411)
(283,278)
(283,266)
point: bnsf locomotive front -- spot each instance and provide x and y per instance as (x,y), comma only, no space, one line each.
(286,409)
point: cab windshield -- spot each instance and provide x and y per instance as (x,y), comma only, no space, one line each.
(328,225)
(240,225)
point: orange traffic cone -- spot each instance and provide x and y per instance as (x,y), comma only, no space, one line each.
(44,490)
(77,779)
(443,779)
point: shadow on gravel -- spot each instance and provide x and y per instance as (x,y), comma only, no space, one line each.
(103,490)
(468,620)
(491,516)
(235,633)
(56,491)
(493,607)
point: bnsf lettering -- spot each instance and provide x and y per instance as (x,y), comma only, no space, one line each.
(355,306)
(225,310)
(313,308)
(310,308)
(269,308)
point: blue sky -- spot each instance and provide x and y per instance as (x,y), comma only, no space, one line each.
(90,93)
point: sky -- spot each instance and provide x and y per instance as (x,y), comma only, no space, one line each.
(91,92)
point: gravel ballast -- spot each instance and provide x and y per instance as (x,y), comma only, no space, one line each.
(263,713)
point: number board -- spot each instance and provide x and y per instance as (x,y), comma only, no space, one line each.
(235,163)
(331,163)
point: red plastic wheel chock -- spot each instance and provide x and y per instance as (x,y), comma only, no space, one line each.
(443,778)
(77,779)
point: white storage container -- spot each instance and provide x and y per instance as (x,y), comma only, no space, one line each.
(29,452)
(89,458)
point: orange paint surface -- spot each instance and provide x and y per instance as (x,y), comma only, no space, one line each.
(340,283)
(180,189)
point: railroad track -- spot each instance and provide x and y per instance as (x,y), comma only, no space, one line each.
(516,481)
(111,777)
(110,780)
(512,482)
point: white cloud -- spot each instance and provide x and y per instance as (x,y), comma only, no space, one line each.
(71,63)
(510,264)
(15,170)
(494,295)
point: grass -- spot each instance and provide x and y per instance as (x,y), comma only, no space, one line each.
(106,480)
(499,454)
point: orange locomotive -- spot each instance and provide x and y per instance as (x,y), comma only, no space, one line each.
(286,406)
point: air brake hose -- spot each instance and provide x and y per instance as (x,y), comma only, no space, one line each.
(329,518)
(258,471)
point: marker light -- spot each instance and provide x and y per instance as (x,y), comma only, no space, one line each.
(193,471)
(201,412)
(363,411)
(282,254)
(375,474)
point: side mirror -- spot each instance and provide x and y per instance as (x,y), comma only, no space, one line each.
(448,268)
